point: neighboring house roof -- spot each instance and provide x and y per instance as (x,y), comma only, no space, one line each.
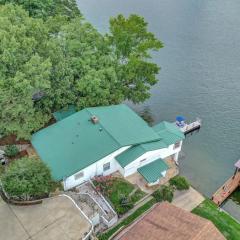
(75,142)
(153,170)
(168,133)
(167,222)
(60,115)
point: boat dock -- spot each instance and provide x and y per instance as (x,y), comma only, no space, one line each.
(187,128)
(229,187)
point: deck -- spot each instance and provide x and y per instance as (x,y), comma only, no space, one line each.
(227,189)
(137,179)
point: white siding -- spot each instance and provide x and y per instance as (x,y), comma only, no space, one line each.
(96,169)
(150,156)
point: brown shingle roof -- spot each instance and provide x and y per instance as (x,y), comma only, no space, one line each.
(167,222)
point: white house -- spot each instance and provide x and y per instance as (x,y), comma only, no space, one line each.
(102,140)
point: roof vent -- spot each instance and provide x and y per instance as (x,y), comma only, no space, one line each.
(94,119)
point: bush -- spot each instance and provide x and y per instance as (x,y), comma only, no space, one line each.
(11,151)
(164,193)
(180,183)
(27,179)
(125,205)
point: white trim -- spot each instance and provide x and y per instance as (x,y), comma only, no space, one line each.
(95,203)
(90,232)
(103,197)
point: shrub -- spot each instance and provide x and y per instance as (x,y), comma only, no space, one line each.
(125,204)
(11,151)
(27,179)
(164,193)
(180,183)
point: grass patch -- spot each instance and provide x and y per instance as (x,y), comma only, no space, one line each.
(139,194)
(119,191)
(225,223)
(236,196)
(128,220)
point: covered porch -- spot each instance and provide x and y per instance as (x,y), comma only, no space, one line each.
(149,177)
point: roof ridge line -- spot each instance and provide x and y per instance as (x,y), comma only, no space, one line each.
(87,109)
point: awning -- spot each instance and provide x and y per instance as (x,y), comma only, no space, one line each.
(153,171)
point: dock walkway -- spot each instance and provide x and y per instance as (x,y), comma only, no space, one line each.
(191,127)
(227,189)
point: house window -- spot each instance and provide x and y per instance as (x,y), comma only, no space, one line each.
(106,166)
(176,145)
(78,175)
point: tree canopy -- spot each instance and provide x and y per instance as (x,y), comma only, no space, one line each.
(46,8)
(48,64)
(26,179)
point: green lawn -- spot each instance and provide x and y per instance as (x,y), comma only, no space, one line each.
(225,223)
(119,192)
(128,220)
(236,196)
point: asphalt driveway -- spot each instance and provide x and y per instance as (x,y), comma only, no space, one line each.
(55,219)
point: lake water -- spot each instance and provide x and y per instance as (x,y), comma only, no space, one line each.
(200,77)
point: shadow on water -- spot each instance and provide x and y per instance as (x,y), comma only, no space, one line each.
(147,115)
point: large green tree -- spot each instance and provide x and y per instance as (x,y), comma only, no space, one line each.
(24,69)
(46,8)
(132,44)
(49,64)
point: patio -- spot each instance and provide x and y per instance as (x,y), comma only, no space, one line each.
(138,179)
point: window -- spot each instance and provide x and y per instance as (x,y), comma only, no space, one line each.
(176,145)
(106,166)
(78,175)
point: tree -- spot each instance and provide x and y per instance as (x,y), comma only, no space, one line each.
(26,179)
(48,65)
(180,183)
(46,8)
(91,69)
(25,69)
(132,44)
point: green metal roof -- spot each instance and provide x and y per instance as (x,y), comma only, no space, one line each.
(130,155)
(60,115)
(153,171)
(75,142)
(168,133)
(126,127)
(134,152)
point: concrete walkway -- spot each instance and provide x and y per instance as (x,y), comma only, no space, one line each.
(187,200)
(56,218)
